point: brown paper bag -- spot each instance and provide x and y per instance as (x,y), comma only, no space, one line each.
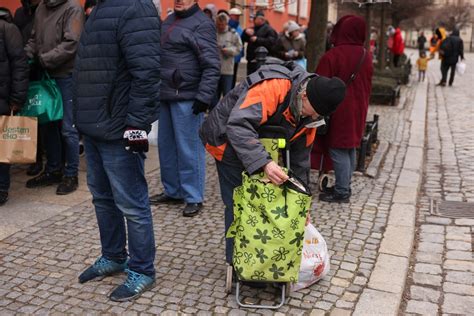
(18,138)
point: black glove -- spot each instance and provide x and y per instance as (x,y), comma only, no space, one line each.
(199,107)
(136,140)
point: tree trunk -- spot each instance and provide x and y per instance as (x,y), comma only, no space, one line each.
(316,40)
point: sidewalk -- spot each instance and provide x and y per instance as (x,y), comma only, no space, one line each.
(56,238)
(441,277)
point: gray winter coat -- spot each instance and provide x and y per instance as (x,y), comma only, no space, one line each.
(267,97)
(189,57)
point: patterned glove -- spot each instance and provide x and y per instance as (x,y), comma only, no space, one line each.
(136,140)
(199,107)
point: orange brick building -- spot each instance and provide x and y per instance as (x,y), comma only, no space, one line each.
(276,11)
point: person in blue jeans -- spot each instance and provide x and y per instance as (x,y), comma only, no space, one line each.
(189,76)
(115,103)
(14,82)
(52,46)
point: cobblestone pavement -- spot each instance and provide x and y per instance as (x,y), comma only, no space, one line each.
(40,264)
(442,267)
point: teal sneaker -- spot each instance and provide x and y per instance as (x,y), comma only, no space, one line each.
(133,287)
(102,267)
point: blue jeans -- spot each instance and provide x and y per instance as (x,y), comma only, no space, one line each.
(182,155)
(343,160)
(68,131)
(230,177)
(116,179)
(4,177)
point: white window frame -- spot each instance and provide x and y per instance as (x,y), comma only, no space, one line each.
(292,7)
(303,8)
(279,5)
(261,3)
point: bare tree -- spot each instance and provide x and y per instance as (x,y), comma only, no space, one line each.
(402,10)
(316,40)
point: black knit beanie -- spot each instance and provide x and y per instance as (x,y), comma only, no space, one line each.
(325,94)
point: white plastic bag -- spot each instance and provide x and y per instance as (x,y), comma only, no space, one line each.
(314,261)
(461,68)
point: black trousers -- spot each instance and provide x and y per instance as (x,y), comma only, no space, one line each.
(444,72)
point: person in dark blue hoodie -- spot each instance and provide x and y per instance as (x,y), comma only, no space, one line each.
(116,88)
(189,77)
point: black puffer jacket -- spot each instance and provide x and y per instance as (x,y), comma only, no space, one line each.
(117,70)
(266,36)
(453,48)
(189,57)
(13,64)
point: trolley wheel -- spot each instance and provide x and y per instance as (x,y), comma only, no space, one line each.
(323,182)
(228,279)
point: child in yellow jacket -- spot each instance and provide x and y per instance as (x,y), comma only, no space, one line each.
(422,64)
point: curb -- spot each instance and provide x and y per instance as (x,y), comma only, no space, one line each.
(387,281)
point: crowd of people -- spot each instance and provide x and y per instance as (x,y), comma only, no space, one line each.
(119,68)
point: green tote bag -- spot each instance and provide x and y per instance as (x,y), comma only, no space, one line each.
(44,101)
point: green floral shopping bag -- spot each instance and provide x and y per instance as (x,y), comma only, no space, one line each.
(268,228)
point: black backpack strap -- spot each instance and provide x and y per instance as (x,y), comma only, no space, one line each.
(354,74)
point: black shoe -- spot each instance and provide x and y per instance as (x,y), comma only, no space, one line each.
(442,84)
(67,185)
(34,169)
(163,198)
(3,197)
(192,209)
(44,179)
(334,197)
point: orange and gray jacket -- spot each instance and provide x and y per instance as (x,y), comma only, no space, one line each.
(55,36)
(266,98)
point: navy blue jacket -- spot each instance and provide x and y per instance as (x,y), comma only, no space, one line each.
(117,70)
(189,55)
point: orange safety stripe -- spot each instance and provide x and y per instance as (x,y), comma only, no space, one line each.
(269,93)
(216,151)
(301,131)
(289,117)
(310,136)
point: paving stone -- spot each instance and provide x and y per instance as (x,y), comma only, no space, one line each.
(423,308)
(432,229)
(459,288)
(458,245)
(397,240)
(434,238)
(387,303)
(430,247)
(459,265)
(459,255)
(428,268)
(438,220)
(389,274)
(429,257)
(460,277)
(427,279)
(457,304)
(464,222)
(425,294)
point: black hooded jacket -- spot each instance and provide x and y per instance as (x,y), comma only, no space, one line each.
(453,48)
(13,64)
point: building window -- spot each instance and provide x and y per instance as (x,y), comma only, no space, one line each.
(261,3)
(303,8)
(279,5)
(292,7)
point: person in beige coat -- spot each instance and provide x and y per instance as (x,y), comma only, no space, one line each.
(230,45)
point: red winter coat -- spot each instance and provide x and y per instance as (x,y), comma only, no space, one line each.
(347,124)
(398,45)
